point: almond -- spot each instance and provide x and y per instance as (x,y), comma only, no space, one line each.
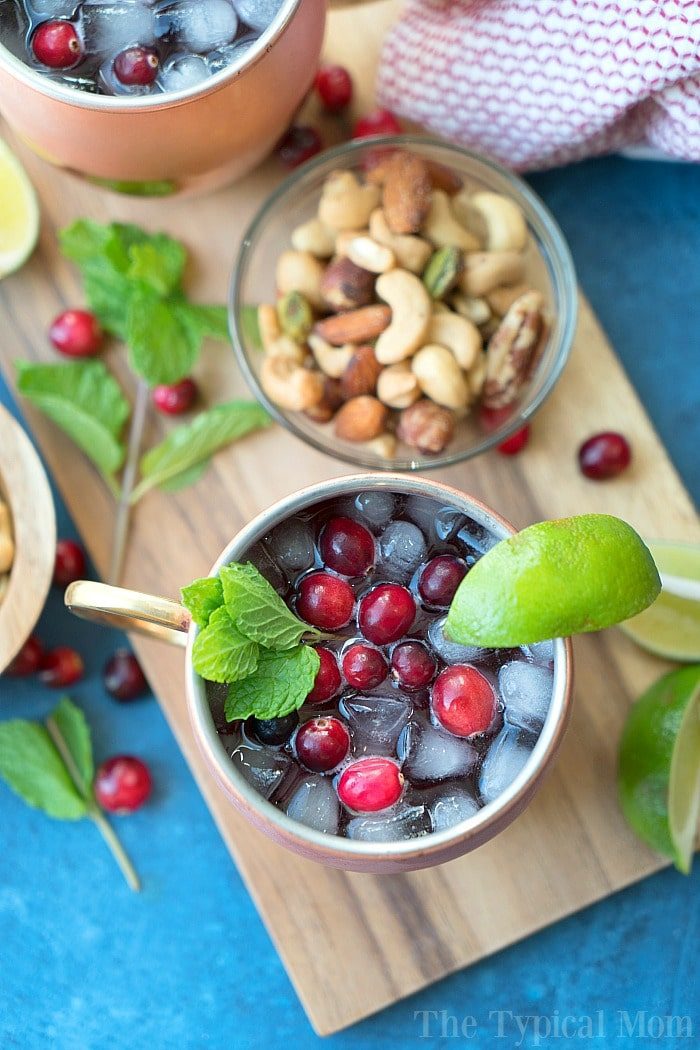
(361,419)
(443,178)
(346,286)
(407,193)
(329,404)
(355,326)
(361,374)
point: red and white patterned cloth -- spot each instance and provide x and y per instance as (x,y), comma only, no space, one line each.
(535,83)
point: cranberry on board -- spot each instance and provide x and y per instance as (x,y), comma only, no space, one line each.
(370,784)
(28,659)
(515,443)
(76,333)
(321,744)
(386,613)
(463,701)
(70,564)
(412,665)
(122,784)
(175,398)
(364,667)
(347,547)
(604,455)
(328,680)
(334,87)
(299,144)
(378,122)
(325,601)
(122,676)
(56,44)
(440,579)
(136,66)
(60,667)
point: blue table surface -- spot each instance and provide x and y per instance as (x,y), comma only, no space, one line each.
(84,963)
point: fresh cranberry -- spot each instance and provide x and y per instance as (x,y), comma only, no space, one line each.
(334,87)
(364,667)
(57,45)
(122,784)
(493,418)
(347,547)
(28,659)
(322,744)
(300,143)
(76,333)
(176,398)
(136,66)
(515,443)
(370,784)
(378,122)
(412,665)
(604,455)
(70,563)
(275,731)
(386,613)
(61,667)
(325,601)
(122,676)
(440,579)
(327,681)
(463,701)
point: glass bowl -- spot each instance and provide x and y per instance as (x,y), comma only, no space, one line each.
(548,267)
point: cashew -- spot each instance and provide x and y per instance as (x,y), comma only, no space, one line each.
(484,271)
(345,203)
(364,251)
(505,223)
(411,253)
(457,334)
(333,360)
(314,237)
(440,377)
(300,272)
(475,310)
(383,446)
(273,340)
(411,310)
(442,228)
(501,299)
(7,546)
(5,580)
(289,385)
(477,375)
(397,386)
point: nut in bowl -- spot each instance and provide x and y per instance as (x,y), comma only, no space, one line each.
(403,303)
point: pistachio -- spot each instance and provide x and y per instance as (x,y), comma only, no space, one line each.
(442,271)
(295,316)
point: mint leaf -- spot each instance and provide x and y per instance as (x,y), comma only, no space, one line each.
(158,262)
(221,653)
(257,609)
(205,321)
(33,768)
(85,400)
(188,477)
(162,350)
(192,443)
(202,598)
(75,731)
(280,684)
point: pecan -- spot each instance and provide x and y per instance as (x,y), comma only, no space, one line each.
(361,419)
(407,193)
(355,326)
(361,374)
(426,426)
(345,286)
(511,349)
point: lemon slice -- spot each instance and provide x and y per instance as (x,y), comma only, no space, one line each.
(659,765)
(671,626)
(19,213)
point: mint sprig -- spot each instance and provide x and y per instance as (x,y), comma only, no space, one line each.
(258,611)
(281,683)
(221,653)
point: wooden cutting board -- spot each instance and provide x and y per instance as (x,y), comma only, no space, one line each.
(355,943)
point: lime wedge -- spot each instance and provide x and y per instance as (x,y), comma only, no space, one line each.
(659,765)
(671,626)
(554,579)
(19,213)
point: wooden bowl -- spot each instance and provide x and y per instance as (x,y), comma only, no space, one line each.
(25,487)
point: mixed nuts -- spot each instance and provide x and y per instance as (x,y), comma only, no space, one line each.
(7,548)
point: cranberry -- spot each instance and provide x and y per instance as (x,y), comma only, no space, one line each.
(364,667)
(176,398)
(604,455)
(28,659)
(334,87)
(386,613)
(70,563)
(493,418)
(412,665)
(347,547)
(122,676)
(57,45)
(122,784)
(515,443)
(136,66)
(325,601)
(275,731)
(322,744)
(378,122)
(463,701)
(440,579)
(370,784)
(60,667)
(300,143)
(76,333)
(327,681)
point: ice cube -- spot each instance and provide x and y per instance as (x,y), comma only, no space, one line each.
(53,8)
(315,803)
(110,27)
(258,554)
(526,691)
(376,506)
(504,759)
(227,56)
(452,652)
(375,723)
(475,540)
(432,754)
(541,652)
(258,14)
(447,522)
(261,766)
(292,544)
(451,807)
(407,822)
(401,550)
(200,25)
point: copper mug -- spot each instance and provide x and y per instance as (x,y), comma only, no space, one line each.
(194,139)
(170,621)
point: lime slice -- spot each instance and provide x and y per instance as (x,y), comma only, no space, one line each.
(659,765)
(671,626)
(554,579)
(19,213)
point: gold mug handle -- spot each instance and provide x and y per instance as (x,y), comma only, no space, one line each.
(146,614)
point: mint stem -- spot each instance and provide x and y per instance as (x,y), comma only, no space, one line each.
(94,812)
(121,527)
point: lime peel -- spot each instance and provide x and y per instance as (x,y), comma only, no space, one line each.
(671,626)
